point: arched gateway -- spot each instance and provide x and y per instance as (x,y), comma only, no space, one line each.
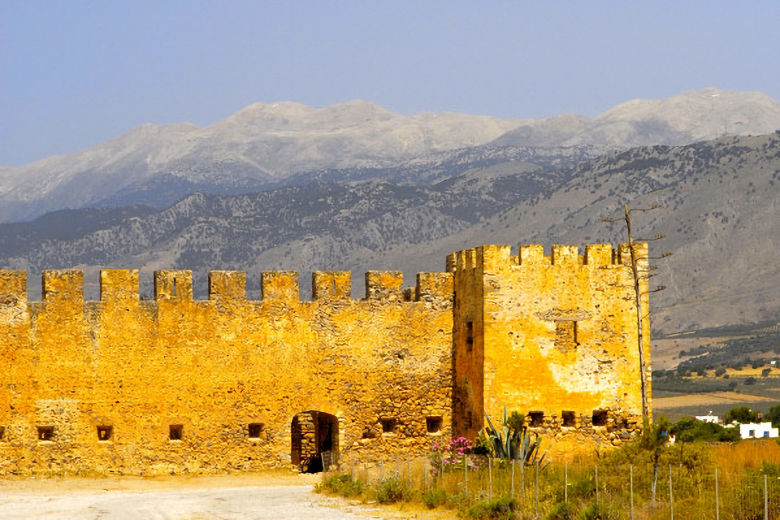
(315,441)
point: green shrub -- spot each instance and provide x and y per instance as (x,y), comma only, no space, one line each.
(688,430)
(770,469)
(342,485)
(499,508)
(774,416)
(391,490)
(434,498)
(741,414)
(600,511)
(583,487)
(562,511)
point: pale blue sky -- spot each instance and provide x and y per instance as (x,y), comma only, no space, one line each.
(74,73)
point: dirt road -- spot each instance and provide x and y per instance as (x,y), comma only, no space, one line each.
(206,499)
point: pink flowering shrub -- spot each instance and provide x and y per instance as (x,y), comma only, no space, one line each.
(450,456)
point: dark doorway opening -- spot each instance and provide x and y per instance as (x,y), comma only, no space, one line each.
(315,437)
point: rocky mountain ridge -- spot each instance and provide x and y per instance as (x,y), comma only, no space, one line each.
(273,145)
(719,212)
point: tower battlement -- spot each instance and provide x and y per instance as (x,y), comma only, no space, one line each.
(490,258)
(122,285)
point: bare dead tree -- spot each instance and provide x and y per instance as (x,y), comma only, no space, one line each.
(640,271)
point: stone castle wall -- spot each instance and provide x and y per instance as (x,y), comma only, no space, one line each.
(176,385)
(229,374)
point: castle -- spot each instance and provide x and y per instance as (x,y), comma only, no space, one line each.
(177,385)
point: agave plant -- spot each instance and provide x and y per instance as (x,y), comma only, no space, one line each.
(514,441)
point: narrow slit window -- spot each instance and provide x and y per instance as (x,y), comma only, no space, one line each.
(433,424)
(255,429)
(537,419)
(568,419)
(389,424)
(104,433)
(45,433)
(2,433)
(175,432)
(469,336)
(599,417)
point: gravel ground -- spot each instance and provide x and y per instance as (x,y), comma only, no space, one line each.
(208,499)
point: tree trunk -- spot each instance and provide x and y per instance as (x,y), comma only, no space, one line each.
(655,479)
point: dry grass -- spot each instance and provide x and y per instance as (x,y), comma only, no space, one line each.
(736,459)
(692,467)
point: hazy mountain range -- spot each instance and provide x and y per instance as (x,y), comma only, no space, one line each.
(273,145)
(719,211)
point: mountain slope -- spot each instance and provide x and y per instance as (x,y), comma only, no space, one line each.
(685,118)
(719,212)
(256,147)
(271,145)
(720,215)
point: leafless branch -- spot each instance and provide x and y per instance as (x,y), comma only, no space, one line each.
(657,236)
(652,207)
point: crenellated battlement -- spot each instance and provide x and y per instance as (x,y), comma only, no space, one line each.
(173,285)
(13,287)
(227,285)
(490,258)
(279,286)
(331,285)
(62,286)
(119,285)
(122,285)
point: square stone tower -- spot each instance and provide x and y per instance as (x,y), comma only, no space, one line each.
(553,337)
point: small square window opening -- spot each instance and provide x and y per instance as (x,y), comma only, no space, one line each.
(599,417)
(537,419)
(255,429)
(568,419)
(175,432)
(433,424)
(45,433)
(388,424)
(104,433)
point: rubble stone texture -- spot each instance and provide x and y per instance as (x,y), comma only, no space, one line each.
(176,385)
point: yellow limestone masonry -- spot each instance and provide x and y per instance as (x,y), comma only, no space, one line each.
(177,385)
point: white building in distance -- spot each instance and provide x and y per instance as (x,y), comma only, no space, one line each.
(757,430)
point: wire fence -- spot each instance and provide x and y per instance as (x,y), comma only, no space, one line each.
(565,490)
